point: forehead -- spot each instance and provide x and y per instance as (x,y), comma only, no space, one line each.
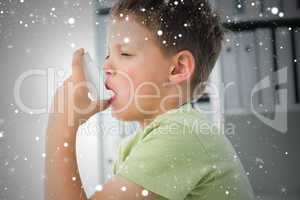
(126,31)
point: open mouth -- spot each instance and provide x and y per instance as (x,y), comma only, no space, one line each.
(109,88)
(112,99)
(114,96)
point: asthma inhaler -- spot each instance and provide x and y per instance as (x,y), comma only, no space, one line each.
(96,77)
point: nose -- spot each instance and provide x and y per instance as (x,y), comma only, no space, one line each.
(109,73)
(109,68)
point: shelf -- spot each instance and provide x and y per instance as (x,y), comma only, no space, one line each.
(268,23)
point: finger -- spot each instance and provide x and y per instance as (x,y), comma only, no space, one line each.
(67,80)
(77,68)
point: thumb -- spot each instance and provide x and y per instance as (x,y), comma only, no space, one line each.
(77,68)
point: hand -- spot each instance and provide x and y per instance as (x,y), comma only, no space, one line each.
(72,99)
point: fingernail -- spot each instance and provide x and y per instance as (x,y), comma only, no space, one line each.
(82,50)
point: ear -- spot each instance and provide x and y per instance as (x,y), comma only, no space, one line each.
(183,67)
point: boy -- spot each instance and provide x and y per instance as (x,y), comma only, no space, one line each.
(158,52)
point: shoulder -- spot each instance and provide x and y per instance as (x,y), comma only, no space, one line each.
(191,125)
(184,120)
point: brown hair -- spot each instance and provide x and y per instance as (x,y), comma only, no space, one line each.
(182,25)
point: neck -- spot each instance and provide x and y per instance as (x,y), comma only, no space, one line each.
(169,104)
(172,105)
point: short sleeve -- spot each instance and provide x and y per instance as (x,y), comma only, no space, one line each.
(168,161)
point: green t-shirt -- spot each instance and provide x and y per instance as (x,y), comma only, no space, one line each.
(181,155)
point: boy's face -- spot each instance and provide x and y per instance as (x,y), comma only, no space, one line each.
(136,70)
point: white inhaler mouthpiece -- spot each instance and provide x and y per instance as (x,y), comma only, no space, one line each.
(96,78)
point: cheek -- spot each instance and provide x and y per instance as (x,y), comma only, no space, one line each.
(135,78)
(137,81)
(127,84)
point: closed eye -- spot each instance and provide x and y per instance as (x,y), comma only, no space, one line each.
(125,54)
(122,54)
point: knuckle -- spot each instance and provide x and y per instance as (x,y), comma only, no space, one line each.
(69,79)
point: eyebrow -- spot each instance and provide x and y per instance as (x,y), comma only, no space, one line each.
(124,45)
(118,45)
(108,47)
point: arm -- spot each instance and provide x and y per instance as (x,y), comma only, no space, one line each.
(59,182)
(120,188)
(70,108)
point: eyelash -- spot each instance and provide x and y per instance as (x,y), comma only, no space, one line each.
(123,54)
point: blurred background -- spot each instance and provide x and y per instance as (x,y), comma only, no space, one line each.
(256,103)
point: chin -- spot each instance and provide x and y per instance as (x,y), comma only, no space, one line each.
(128,112)
(125,115)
